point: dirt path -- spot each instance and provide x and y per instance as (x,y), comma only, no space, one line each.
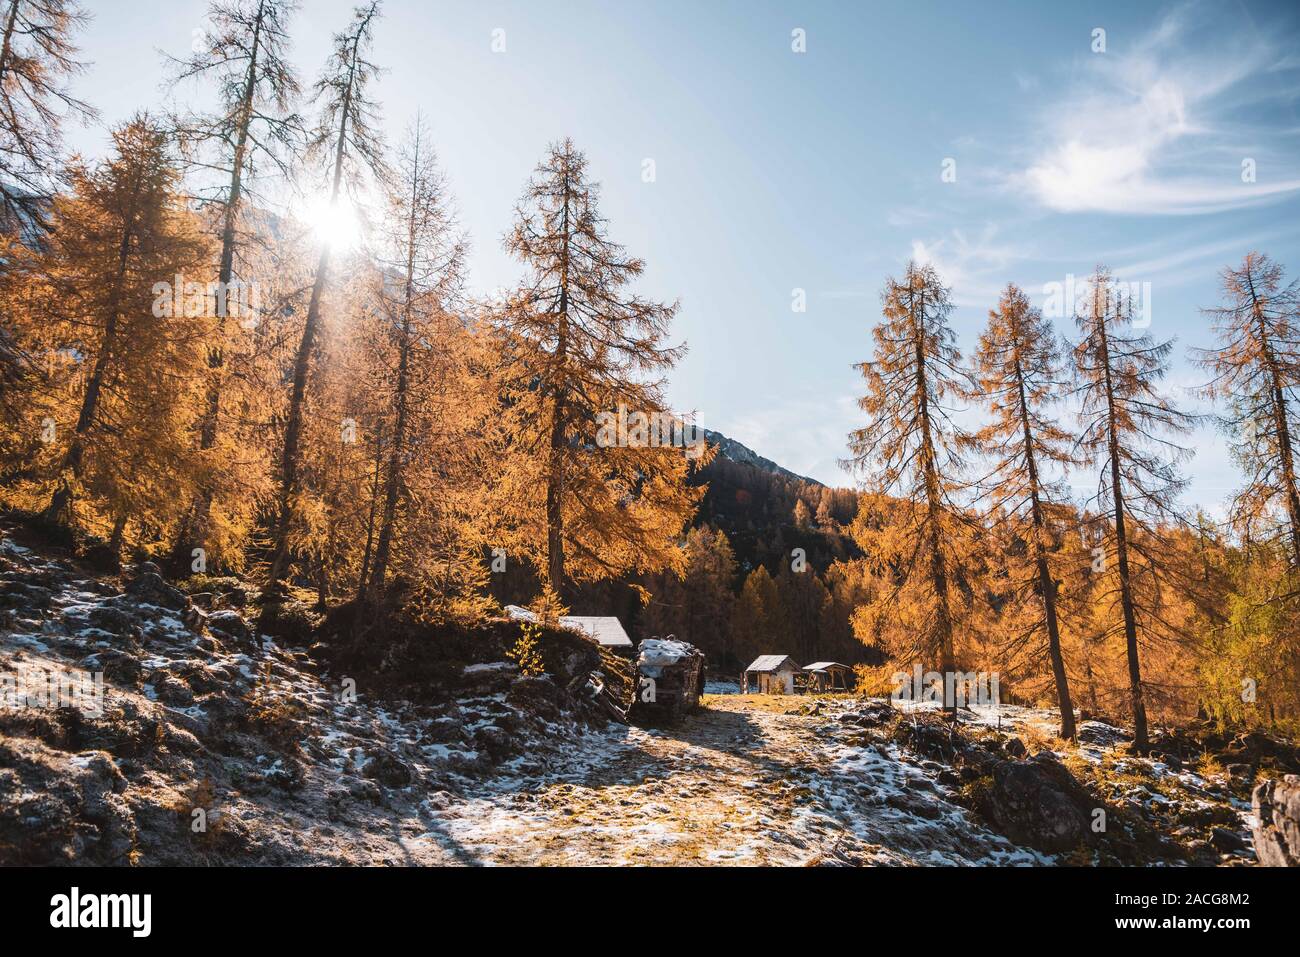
(739,782)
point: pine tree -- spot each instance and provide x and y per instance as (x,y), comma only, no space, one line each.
(754,620)
(578,347)
(697,606)
(825,510)
(342,436)
(803,599)
(347,133)
(117,244)
(1256,368)
(427,253)
(802,514)
(911,448)
(37,58)
(246,54)
(1125,427)
(1019,370)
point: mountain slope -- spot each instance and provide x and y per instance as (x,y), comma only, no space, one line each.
(736,451)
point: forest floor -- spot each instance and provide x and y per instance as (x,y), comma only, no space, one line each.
(214,745)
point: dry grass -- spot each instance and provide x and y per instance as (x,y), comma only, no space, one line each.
(1037,739)
(773,703)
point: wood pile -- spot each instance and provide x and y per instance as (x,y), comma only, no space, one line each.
(670,680)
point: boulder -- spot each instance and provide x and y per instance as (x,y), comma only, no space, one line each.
(1277,821)
(116,620)
(57,808)
(1226,840)
(443,731)
(195,618)
(913,804)
(28,597)
(1100,734)
(871,715)
(496,742)
(171,690)
(386,768)
(488,677)
(290,622)
(1037,803)
(119,667)
(148,587)
(230,624)
(536,694)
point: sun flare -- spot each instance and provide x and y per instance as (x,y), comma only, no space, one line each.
(335,224)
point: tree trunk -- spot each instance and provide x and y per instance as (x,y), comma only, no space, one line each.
(293,426)
(118,536)
(368,554)
(1140,742)
(1046,586)
(1278,401)
(6,50)
(70,470)
(393,483)
(193,532)
(555,471)
(934,507)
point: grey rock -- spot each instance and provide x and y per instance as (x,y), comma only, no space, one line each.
(1226,841)
(386,768)
(1277,814)
(230,624)
(443,731)
(150,588)
(1038,803)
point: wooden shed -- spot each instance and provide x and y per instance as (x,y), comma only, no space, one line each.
(771,674)
(828,676)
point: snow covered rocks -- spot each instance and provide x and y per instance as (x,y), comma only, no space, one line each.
(148,587)
(670,677)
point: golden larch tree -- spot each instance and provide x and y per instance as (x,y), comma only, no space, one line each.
(1256,370)
(579,349)
(118,242)
(911,449)
(1020,373)
(1127,427)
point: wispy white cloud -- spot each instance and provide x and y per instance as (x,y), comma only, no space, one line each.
(1148,130)
(1218,252)
(974,267)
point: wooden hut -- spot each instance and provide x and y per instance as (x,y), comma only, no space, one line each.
(771,674)
(828,676)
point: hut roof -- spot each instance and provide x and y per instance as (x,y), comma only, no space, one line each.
(825,666)
(771,663)
(604,629)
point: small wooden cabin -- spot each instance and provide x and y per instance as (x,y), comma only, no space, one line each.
(828,676)
(771,674)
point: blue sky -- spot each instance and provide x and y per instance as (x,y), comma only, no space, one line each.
(821,170)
